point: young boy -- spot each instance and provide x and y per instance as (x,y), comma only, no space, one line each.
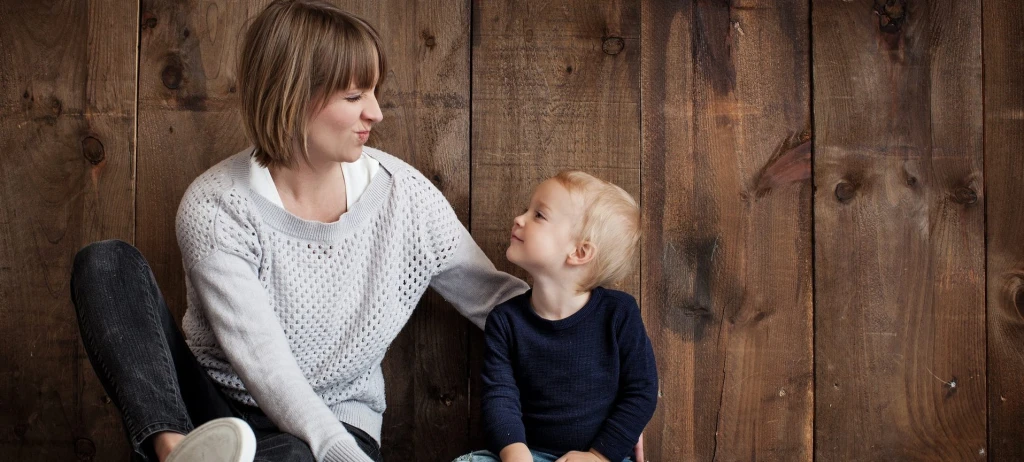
(569,373)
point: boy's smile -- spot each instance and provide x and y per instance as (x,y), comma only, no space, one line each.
(544,235)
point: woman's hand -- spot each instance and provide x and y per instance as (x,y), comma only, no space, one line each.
(577,456)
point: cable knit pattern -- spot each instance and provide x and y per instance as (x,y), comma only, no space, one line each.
(339,292)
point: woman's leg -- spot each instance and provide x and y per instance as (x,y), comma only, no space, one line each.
(136,349)
(273,445)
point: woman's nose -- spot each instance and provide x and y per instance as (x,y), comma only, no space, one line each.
(371,112)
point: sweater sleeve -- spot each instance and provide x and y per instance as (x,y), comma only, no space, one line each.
(222,272)
(501,409)
(247,330)
(638,390)
(471,283)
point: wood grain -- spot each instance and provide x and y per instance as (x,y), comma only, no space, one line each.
(67,157)
(1004,199)
(727,224)
(555,86)
(899,231)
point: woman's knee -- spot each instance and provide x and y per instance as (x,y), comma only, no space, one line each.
(104,258)
(103,268)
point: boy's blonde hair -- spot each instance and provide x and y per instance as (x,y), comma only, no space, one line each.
(294,56)
(610,222)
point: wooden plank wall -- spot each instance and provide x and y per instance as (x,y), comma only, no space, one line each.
(1003,38)
(865,302)
(67,178)
(899,231)
(727,204)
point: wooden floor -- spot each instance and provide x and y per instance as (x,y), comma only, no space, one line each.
(832,193)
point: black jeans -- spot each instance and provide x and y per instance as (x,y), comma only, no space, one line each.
(145,366)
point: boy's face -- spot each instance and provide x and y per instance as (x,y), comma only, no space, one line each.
(543,236)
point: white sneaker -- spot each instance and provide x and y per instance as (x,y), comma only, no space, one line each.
(220,440)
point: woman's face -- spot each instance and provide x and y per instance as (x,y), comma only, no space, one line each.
(339,131)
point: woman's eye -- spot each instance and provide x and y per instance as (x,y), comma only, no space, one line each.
(354,98)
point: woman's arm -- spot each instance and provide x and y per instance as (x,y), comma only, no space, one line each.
(221,255)
(238,310)
(471,282)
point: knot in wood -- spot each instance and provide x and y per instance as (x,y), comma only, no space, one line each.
(965,195)
(844,191)
(148,20)
(92,149)
(85,448)
(613,45)
(428,39)
(173,73)
(891,14)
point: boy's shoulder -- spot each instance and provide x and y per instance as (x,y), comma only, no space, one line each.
(512,306)
(621,309)
(619,302)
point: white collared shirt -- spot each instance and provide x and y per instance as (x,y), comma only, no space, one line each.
(357,177)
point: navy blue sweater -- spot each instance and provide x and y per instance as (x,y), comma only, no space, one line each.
(586,381)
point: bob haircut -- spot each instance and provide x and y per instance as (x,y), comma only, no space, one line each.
(610,221)
(293,57)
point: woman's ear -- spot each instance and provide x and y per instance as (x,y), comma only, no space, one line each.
(582,255)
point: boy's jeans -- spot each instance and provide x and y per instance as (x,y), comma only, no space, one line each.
(488,456)
(145,366)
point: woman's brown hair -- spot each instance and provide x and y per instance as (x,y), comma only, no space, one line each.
(294,56)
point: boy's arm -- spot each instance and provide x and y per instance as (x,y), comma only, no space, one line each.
(516,452)
(500,406)
(471,282)
(638,390)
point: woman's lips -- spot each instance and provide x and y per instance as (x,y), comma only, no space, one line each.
(363,136)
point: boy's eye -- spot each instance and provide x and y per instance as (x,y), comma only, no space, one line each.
(539,215)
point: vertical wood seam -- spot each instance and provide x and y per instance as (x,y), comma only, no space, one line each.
(135,136)
(984,235)
(813,234)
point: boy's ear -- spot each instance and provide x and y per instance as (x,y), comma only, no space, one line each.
(582,255)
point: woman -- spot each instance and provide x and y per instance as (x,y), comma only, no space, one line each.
(304,257)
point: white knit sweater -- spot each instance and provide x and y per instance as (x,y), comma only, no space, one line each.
(295,316)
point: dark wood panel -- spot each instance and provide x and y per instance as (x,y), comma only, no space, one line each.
(555,86)
(1004,178)
(899,231)
(67,159)
(727,290)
